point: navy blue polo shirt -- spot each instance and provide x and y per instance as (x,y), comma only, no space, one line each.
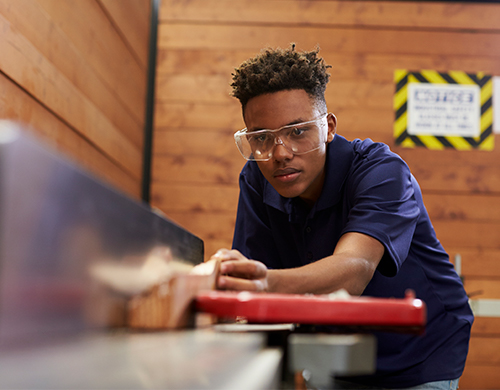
(370,190)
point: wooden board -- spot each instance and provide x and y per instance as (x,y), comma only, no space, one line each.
(92,34)
(19,106)
(366,66)
(132,20)
(335,13)
(69,71)
(351,40)
(31,21)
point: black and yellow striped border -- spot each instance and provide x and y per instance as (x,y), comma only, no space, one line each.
(485,141)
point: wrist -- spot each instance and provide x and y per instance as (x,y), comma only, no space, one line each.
(272,281)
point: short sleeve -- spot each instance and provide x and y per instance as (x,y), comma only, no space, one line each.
(383,204)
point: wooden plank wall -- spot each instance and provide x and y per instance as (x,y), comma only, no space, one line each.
(196,164)
(75,72)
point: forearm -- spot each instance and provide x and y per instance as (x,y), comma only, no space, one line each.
(323,276)
(351,267)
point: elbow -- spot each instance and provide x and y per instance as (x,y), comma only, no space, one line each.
(363,274)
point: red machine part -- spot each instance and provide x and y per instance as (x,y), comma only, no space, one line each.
(315,309)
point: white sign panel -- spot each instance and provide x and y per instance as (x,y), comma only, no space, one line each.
(496,105)
(444,110)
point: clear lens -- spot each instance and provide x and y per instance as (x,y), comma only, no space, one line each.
(299,138)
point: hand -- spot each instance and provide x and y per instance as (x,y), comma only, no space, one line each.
(239,273)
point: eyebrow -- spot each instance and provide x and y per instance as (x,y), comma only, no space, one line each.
(294,122)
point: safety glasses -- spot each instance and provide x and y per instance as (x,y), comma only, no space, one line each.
(299,138)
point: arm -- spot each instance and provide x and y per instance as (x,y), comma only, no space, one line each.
(351,267)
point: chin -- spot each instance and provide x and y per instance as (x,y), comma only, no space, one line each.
(289,192)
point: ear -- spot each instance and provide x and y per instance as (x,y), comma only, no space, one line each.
(332,127)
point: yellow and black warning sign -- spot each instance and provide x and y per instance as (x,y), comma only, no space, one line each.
(439,110)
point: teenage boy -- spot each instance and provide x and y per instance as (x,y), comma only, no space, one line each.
(318,213)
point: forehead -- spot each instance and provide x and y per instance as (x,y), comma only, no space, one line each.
(273,110)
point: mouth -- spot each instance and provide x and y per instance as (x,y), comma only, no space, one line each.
(286,174)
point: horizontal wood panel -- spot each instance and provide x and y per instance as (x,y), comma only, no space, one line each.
(196,143)
(450,170)
(486,326)
(358,13)
(194,169)
(479,235)
(478,262)
(30,20)
(21,61)
(131,18)
(202,88)
(378,67)
(88,28)
(482,288)
(480,377)
(465,207)
(194,198)
(206,225)
(17,105)
(352,40)
(210,117)
(484,350)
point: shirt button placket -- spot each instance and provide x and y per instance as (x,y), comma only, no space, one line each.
(309,254)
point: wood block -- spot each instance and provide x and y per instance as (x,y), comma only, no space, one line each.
(169,304)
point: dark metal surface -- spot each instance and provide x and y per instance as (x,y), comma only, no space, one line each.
(177,360)
(57,221)
(150,100)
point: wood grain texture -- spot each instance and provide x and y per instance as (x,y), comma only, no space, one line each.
(71,65)
(17,105)
(367,66)
(88,28)
(21,61)
(347,40)
(479,377)
(173,115)
(482,287)
(334,13)
(200,198)
(486,326)
(196,164)
(132,20)
(31,21)
(484,350)
(478,262)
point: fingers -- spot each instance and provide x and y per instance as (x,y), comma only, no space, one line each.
(239,273)
(235,264)
(226,254)
(248,269)
(238,284)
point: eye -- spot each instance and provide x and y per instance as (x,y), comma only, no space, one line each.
(258,138)
(298,131)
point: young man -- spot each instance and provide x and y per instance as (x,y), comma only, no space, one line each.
(318,213)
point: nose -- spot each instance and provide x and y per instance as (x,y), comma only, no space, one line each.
(280,151)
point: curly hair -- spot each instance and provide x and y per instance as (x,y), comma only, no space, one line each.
(278,69)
